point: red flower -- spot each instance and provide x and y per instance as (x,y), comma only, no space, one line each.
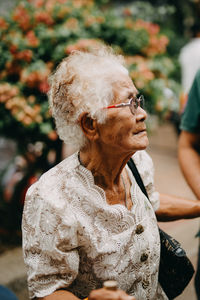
(44,87)
(13,49)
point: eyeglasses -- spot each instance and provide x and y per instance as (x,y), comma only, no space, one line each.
(133,104)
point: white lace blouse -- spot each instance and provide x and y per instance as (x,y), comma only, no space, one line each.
(73,239)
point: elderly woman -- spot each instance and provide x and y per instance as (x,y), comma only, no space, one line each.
(86,220)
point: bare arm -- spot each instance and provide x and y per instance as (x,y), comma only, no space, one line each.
(175,208)
(189,159)
(60,295)
(100,294)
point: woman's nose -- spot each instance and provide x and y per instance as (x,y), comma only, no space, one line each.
(141,114)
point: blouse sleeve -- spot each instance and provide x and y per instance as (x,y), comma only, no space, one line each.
(145,167)
(49,243)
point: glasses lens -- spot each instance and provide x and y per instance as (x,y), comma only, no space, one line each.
(135,102)
(140,101)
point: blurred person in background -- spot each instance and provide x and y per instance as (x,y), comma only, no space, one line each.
(189,149)
(86,220)
(6,294)
(190,59)
(190,63)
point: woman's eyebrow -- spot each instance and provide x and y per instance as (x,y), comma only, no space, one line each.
(131,95)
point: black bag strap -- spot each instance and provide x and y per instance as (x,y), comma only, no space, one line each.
(137,176)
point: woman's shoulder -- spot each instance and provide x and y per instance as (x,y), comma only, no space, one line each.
(62,170)
(52,183)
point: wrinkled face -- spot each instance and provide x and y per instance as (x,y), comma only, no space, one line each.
(124,132)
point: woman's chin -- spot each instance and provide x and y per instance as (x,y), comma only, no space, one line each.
(142,145)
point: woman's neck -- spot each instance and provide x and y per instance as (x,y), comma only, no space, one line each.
(106,166)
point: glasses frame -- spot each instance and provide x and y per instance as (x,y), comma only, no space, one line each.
(133,104)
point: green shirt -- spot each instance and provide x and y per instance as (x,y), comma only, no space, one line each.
(190,120)
(191,117)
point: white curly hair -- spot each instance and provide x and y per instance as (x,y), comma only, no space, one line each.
(83,83)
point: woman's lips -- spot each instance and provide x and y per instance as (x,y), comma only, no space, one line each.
(141,131)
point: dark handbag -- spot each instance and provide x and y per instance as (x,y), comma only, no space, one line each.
(175,270)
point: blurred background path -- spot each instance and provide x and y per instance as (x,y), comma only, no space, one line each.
(168,179)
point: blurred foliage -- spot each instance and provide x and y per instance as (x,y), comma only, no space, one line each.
(179,15)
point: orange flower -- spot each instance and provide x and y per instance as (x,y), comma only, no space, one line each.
(142,75)
(52,135)
(38,119)
(37,3)
(19,106)
(63,12)
(44,17)
(49,5)
(3,74)
(127,12)
(129,24)
(3,24)
(22,17)
(31,99)
(50,65)
(25,55)
(61,1)
(26,120)
(159,106)
(157,45)
(72,23)
(32,40)
(37,108)
(31,79)
(36,79)
(151,28)
(82,3)
(7,91)
(100,19)
(90,20)
(13,49)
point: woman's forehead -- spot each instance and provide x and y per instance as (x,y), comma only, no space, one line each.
(124,84)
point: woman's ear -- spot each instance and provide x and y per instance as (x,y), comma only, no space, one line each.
(88,126)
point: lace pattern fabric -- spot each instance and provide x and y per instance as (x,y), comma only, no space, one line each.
(73,239)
